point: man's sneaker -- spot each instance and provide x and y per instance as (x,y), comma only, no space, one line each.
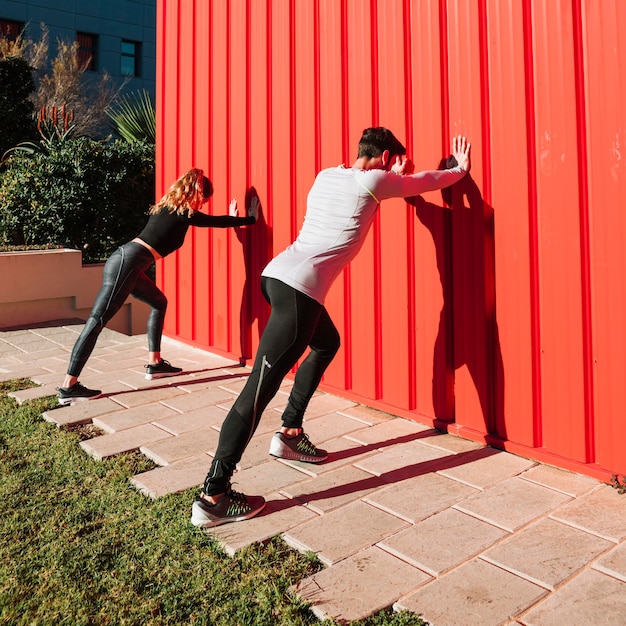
(298,448)
(232,507)
(75,393)
(161,369)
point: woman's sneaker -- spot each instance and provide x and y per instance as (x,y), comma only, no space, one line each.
(298,448)
(232,507)
(76,393)
(161,370)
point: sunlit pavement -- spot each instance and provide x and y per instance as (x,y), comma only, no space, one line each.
(402,515)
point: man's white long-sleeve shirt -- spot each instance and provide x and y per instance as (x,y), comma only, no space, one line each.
(341,206)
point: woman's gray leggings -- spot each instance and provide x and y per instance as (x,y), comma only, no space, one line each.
(124,274)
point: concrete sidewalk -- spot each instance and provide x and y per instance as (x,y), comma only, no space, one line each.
(402,515)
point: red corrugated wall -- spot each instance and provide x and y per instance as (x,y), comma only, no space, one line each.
(502,320)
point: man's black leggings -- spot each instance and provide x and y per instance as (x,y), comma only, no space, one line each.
(124,274)
(296,321)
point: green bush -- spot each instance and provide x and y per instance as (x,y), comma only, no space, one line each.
(16,110)
(77,193)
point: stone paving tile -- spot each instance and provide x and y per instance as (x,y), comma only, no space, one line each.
(257,451)
(566,482)
(130,398)
(23,372)
(120,364)
(10,356)
(172,449)
(323,404)
(179,423)
(32,344)
(344,532)
(48,378)
(401,461)
(590,598)
(335,489)
(196,400)
(278,516)
(614,563)
(270,422)
(420,497)
(210,380)
(267,477)
(489,468)
(57,363)
(127,418)
(330,426)
(389,432)
(81,412)
(122,441)
(173,478)
(443,541)
(513,503)
(39,357)
(274,408)
(547,553)
(451,443)
(341,451)
(33,393)
(358,586)
(475,594)
(602,512)
(367,415)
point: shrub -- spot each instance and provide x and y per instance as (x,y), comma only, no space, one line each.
(134,117)
(77,193)
(16,110)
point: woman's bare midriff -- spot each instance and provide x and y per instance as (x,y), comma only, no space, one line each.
(155,254)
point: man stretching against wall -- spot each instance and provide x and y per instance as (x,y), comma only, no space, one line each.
(341,206)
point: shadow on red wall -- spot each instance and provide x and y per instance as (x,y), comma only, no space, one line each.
(468,331)
(254,308)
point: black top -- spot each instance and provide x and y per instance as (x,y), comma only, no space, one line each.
(165,231)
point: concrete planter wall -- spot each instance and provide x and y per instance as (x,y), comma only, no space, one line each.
(47,285)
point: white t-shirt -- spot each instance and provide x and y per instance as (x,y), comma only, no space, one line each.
(341,206)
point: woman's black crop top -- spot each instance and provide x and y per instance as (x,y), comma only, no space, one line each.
(165,231)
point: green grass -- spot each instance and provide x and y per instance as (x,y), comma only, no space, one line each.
(79,545)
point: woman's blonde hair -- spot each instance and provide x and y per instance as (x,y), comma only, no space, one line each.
(186,195)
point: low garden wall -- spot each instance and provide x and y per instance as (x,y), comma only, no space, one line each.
(47,285)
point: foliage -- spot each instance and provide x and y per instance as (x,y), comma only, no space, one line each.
(618,483)
(134,117)
(77,193)
(8,248)
(16,110)
(79,545)
(63,80)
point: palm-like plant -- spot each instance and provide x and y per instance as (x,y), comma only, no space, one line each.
(134,117)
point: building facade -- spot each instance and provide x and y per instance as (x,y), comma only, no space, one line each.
(116,36)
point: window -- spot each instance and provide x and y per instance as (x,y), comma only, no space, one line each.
(130,56)
(87,45)
(10,29)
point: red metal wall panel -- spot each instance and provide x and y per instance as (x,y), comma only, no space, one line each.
(604,53)
(500,317)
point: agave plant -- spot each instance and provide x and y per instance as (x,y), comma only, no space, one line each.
(134,117)
(55,125)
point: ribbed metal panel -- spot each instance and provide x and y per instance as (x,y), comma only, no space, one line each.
(503,319)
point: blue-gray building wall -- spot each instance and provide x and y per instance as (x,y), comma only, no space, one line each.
(111,20)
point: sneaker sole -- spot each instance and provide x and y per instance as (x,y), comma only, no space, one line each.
(66,401)
(161,375)
(289,455)
(201,521)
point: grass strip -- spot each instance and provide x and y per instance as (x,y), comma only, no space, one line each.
(79,545)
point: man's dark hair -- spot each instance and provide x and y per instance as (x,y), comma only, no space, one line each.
(374,141)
